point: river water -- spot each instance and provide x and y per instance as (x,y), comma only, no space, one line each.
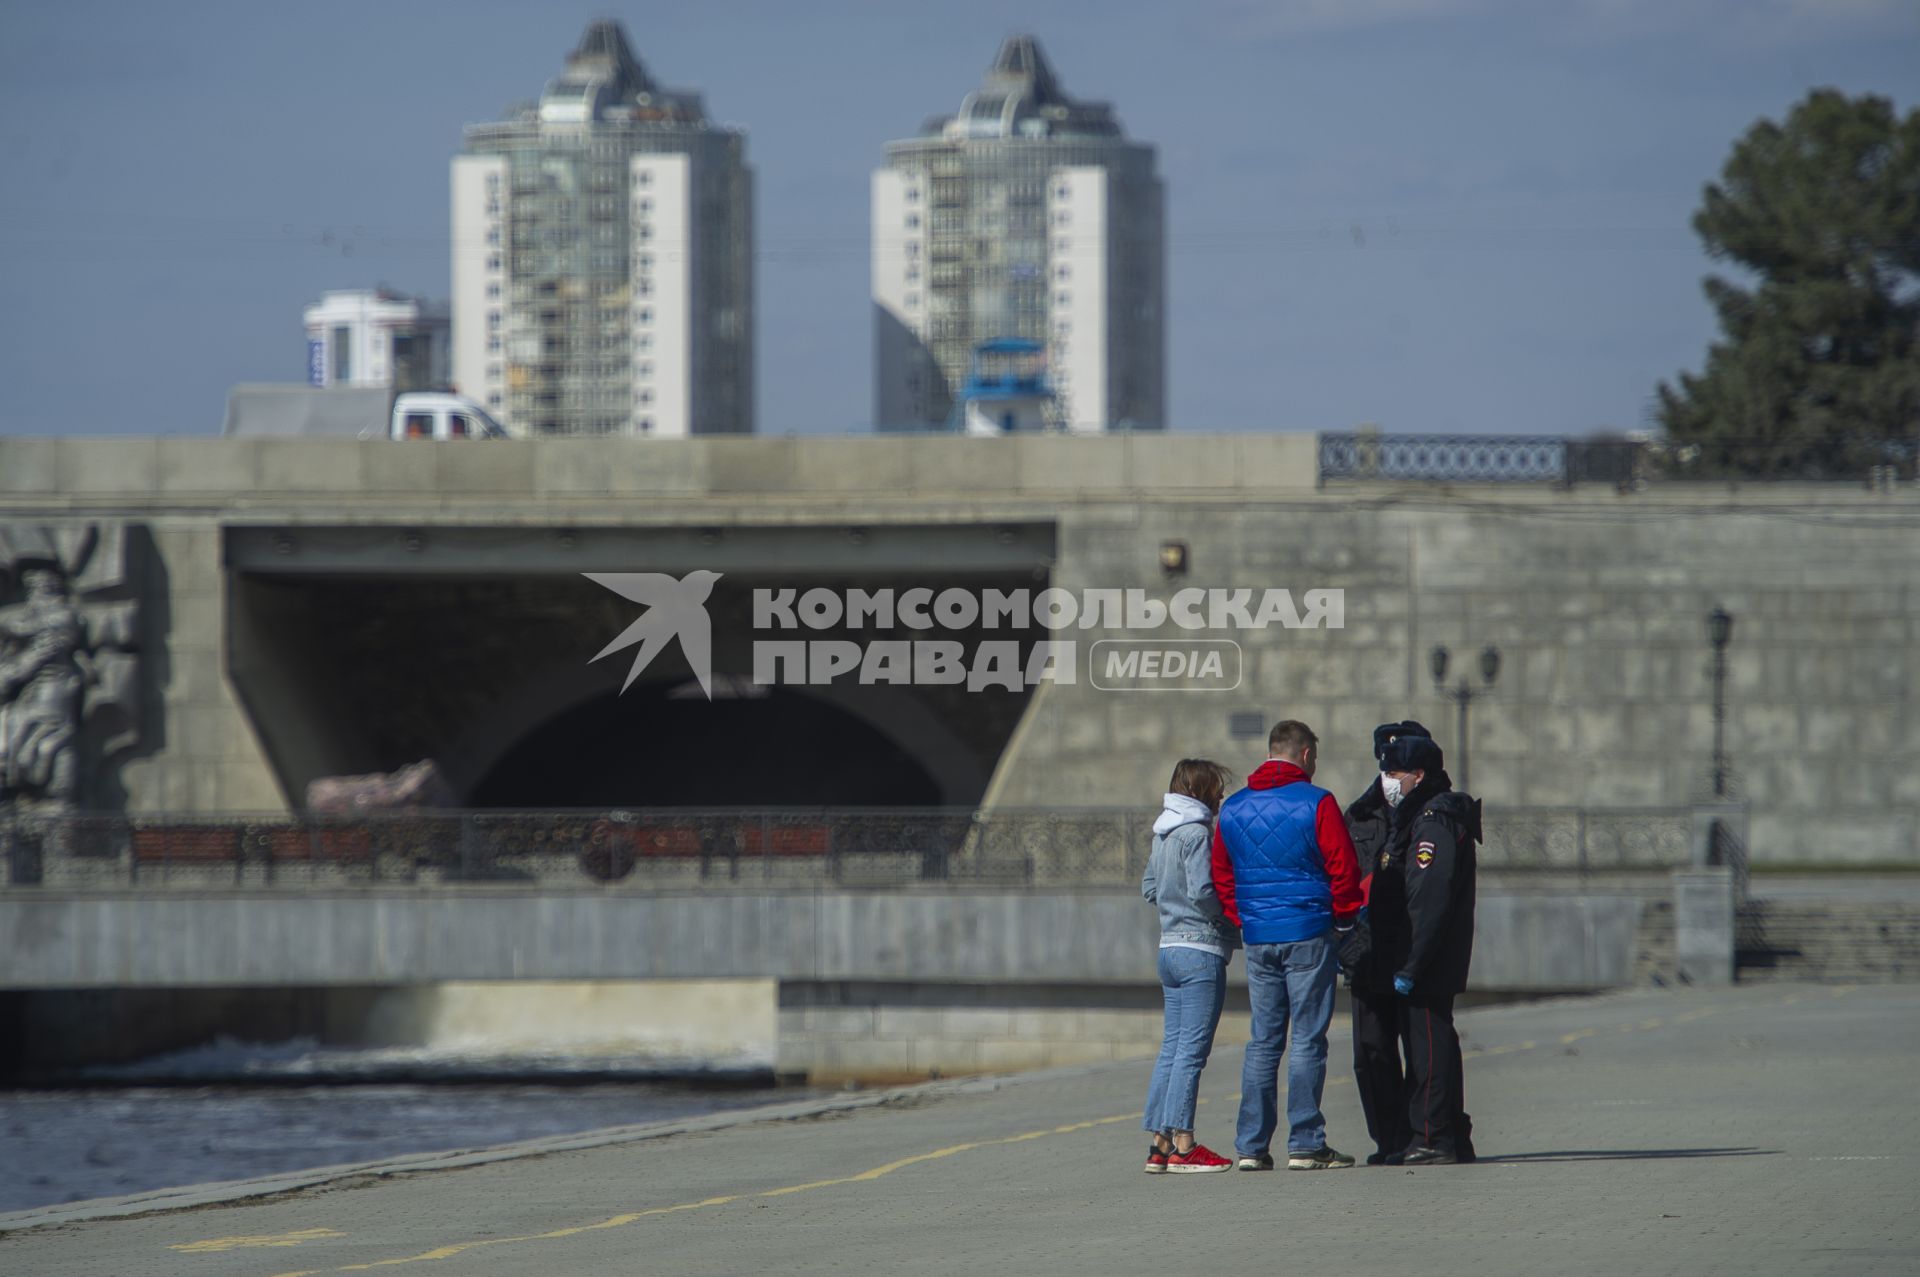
(230,1111)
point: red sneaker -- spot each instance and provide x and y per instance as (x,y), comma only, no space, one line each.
(1156,1160)
(1198,1162)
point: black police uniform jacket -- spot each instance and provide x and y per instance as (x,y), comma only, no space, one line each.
(1420,906)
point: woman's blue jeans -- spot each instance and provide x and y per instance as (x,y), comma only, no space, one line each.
(1194,986)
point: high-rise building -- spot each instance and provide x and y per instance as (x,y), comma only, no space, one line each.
(1027,216)
(602,258)
(376,338)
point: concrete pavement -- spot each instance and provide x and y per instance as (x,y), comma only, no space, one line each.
(1750,1130)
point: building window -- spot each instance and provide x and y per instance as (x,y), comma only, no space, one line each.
(1063,272)
(493,290)
(644,396)
(913,193)
(644,206)
(341,351)
(644,288)
(493,235)
(493,319)
(644,232)
(493,372)
(643,342)
(1062,299)
(646,425)
(493,344)
(644,314)
(645,370)
(913,221)
(493,401)
(913,299)
(913,248)
(643,177)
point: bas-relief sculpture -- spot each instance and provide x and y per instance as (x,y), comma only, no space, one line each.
(69,664)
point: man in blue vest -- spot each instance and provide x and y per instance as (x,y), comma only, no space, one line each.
(1285,872)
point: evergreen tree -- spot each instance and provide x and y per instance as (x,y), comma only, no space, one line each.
(1818,372)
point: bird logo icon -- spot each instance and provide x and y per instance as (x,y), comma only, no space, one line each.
(675,609)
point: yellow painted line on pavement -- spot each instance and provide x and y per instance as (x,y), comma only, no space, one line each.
(213,1244)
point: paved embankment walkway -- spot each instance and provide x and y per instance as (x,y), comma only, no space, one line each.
(1768,1130)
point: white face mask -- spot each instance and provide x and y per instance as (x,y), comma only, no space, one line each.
(1390,790)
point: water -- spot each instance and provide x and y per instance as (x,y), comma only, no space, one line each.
(231,1112)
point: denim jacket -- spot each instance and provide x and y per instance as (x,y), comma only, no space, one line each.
(1179,877)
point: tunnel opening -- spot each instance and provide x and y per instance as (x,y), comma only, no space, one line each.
(493,678)
(654,747)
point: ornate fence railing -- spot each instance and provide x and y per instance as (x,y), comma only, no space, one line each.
(1880,464)
(664,848)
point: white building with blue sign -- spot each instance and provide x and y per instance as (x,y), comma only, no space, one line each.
(378,339)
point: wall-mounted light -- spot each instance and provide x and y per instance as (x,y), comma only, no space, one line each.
(414,541)
(1173,558)
(283,543)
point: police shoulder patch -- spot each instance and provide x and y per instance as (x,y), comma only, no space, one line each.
(1423,855)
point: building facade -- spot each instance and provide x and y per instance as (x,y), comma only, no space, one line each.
(1028,216)
(374,338)
(602,258)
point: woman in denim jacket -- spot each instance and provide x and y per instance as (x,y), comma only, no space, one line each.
(1195,940)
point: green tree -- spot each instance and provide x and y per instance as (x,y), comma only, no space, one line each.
(1818,371)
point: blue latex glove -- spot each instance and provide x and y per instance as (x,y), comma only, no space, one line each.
(1403,985)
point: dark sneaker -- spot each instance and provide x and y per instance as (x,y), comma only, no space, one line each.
(1199,1161)
(1156,1160)
(1422,1155)
(1319,1159)
(1257,1162)
(1383,1159)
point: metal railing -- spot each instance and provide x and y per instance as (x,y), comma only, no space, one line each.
(663,848)
(1880,464)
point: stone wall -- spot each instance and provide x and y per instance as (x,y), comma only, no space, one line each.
(1596,600)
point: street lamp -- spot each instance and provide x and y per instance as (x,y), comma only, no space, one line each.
(1719,634)
(1462,694)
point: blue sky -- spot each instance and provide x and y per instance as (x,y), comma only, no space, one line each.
(1464,215)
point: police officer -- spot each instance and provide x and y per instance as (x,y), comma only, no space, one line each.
(1421,913)
(1376,1008)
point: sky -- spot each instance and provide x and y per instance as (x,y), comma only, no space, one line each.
(1434,215)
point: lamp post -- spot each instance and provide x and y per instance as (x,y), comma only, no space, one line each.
(1462,695)
(1719,634)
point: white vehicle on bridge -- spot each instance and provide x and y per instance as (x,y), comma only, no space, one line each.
(263,410)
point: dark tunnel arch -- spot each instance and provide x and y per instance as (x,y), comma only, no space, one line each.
(651,747)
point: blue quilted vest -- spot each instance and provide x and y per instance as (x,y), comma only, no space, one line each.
(1280,878)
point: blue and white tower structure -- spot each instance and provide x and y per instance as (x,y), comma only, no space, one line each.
(1025,215)
(1007,390)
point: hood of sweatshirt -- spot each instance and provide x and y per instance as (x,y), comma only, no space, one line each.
(1178,810)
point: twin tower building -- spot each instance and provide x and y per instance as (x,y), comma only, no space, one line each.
(603,261)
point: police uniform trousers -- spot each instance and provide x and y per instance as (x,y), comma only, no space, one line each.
(1376,1066)
(1436,1085)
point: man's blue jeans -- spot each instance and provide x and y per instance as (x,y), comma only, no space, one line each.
(1286,982)
(1194,986)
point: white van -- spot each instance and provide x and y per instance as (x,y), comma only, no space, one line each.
(434,415)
